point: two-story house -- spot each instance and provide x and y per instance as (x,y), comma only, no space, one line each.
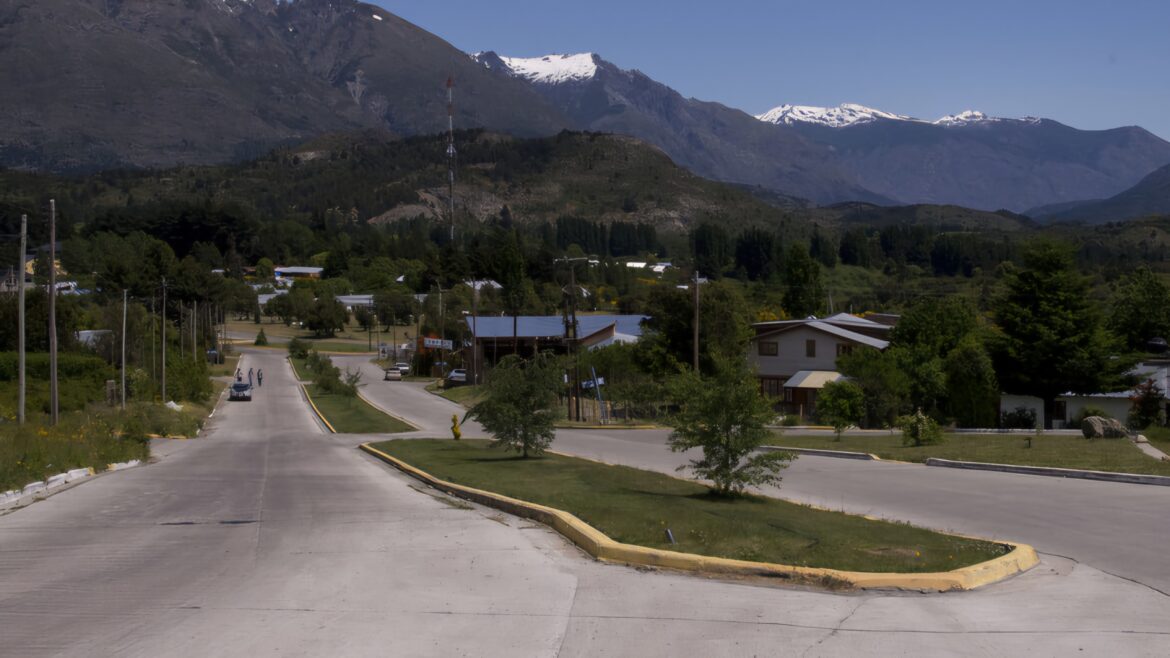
(794,359)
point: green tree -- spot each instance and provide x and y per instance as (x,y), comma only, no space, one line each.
(519,403)
(1140,309)
(1052,339)
(886,385)
(972,388)
(802,280)
(725,416)
(265,269)
(711,249)
(724,327)
(918,429)
(841,404)
(326,317)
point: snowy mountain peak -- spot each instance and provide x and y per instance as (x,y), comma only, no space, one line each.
(963,118)
(549,70)
(846,114)
(850,114)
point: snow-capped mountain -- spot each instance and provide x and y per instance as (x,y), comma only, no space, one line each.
(851,114)
(710,139)
(846,114)
(549,70)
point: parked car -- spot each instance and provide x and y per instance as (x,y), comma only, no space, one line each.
(457,376)
(240,392)
(393,375)
(403,368)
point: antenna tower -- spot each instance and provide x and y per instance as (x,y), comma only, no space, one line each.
(451,154)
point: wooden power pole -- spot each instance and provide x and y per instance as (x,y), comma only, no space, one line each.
(54,410)
(695,285)
(20,321)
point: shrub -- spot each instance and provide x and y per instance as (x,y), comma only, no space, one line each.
(298,349)
(918,429)
(261,339)
(1087,412)
(1020,418)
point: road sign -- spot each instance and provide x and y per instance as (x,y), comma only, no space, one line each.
(438,344)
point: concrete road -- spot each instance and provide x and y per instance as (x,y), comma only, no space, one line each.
(1122,529)
(268,537)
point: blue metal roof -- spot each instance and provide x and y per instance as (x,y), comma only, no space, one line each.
(551,326)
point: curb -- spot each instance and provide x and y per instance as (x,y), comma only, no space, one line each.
(1105,476)
(320,416)
(309,398)
(34,491)
(609,427)
(378,407)
(1021,558)
(818,452)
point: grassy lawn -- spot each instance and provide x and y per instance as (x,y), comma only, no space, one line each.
(1117,455)
(467,396)
(225,369)
(1159,437)
(637,507)
(354,415)
(300,369)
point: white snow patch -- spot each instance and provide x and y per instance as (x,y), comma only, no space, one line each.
(850,114)
(553,69)
(846,114)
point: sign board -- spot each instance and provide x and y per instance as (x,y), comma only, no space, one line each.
(438,343)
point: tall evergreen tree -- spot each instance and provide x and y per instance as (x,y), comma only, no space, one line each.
(1052,338)
(803,292)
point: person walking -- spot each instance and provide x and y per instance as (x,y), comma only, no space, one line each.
(259,377)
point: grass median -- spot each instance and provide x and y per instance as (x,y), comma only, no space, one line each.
(1057,451)
(638,507)
(353,415)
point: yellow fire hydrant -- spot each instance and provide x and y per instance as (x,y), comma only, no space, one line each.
(455,431)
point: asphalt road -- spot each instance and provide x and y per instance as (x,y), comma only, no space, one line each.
(1123,529)
(267,536)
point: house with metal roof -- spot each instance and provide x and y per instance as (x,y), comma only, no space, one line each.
(495,336)
(794,359)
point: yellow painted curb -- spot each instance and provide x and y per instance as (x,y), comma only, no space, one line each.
(379,409)
(317,411)
(1021,558)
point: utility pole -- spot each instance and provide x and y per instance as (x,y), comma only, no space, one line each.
(695,285)
(124,295)
(571,331)
(53,392)
(475,333)
(20,321)
(163,331)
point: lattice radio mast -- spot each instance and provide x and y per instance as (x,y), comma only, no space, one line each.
(451,154)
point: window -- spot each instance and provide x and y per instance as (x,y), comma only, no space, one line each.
(1060,411)
(770,387)
(770,348)
(844,348)
(810,348)
(788,395)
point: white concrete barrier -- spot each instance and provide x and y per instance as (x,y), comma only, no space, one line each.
(57,480)
(33,488)
(79,473)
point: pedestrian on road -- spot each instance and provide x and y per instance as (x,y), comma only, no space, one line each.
(259,377)
(239,375)
(250,379)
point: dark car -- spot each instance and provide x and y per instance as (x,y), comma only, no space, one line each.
(240,392)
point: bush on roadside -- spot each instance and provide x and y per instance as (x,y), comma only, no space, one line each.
(261,339)
(918,429)
(298,349)
(1020,418)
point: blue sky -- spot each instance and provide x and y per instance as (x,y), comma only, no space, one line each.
(1088,63)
